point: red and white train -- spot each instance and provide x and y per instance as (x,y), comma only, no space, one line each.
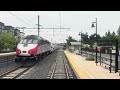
(32,47)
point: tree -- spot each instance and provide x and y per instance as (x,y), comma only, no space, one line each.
(106,34)
(70,39)
(113,36)
(92,39)
(109,34)
(7,40)
(118,31)
(85,38)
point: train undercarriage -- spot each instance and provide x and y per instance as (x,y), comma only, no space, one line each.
(30,60)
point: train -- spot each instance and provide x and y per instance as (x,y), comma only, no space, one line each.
(32,47)
(54,47)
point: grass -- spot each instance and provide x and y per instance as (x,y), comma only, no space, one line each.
(90,59)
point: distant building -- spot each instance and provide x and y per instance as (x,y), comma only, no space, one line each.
(75,46)
(22,35)
(16,32)
(86,45)
(1,27)
(9,28)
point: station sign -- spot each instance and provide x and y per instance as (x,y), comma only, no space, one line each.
(113,51)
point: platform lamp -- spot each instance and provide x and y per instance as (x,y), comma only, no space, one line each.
(96,38)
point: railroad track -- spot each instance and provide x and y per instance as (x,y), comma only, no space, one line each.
(60,68)
(14,73)
(6,59)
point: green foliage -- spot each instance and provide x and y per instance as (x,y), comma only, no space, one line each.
(90,59)
(92,39)
(109,36)
(118,31)
(70,39)
(7,40)
(84,38)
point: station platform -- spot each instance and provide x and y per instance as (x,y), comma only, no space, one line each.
(87,69)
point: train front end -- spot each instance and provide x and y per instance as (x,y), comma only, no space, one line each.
(27,50)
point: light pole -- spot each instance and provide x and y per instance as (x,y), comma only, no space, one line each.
(80,33)
(96,38)
(39,28)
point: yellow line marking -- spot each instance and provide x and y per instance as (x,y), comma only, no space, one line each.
(86,71)
(81,72)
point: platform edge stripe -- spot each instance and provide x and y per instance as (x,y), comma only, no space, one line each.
(87,72)
(79,73)
(76,70)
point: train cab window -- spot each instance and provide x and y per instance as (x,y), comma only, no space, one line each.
(24,41)
(35,41)
(29,41)
(21,41)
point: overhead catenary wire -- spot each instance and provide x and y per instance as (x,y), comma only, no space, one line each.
(60,18)
(18,18)
(25,18)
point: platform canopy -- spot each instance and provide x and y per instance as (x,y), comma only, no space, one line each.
(75,43)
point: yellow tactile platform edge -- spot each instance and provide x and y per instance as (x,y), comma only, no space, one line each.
(79,70)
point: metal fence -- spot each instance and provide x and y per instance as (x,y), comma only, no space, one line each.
(103,60)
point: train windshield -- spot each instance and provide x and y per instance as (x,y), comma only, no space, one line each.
(29,41)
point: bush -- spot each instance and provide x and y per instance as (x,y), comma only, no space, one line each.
(90,59)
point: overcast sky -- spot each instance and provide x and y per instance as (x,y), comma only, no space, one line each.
(75,20)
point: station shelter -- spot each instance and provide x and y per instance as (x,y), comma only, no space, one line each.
(75,47)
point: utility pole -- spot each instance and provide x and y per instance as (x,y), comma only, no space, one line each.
(80,33)
(53,31)
(96,38)
(96,42)
(51,40)
(81,42)
(38,25)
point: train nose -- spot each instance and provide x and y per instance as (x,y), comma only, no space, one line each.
(24,51)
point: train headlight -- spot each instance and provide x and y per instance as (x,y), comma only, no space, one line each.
(18,51)
(31,51)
